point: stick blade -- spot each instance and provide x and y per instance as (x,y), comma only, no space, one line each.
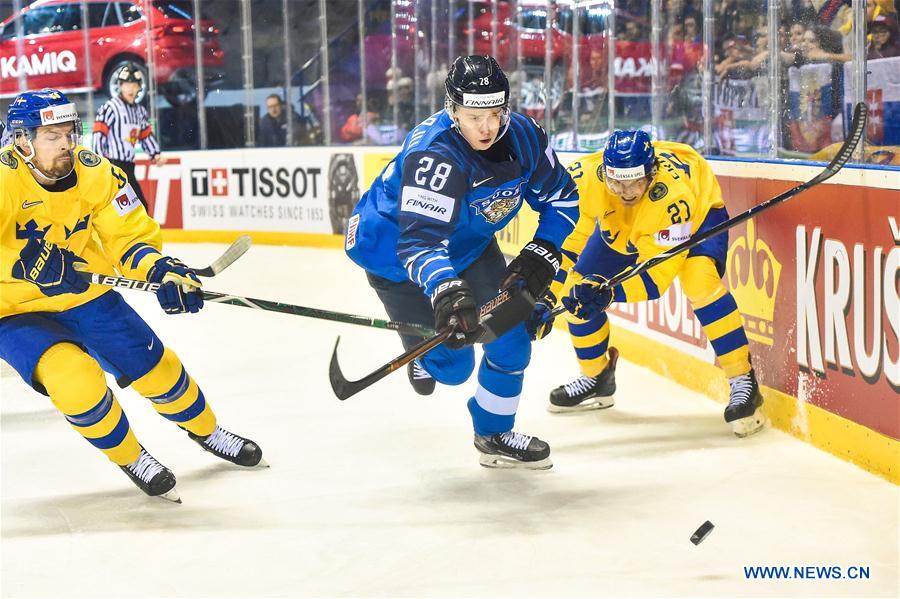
(339,384)
(234,251)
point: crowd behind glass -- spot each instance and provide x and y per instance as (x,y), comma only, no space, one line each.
(777,81)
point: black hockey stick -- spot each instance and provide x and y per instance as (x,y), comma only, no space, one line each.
(234,251)
(857,128)
(270,306)
(344,388)
(506,310)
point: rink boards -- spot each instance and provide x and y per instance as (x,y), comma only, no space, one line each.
(815,278)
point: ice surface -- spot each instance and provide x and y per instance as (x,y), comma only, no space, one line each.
(382,495)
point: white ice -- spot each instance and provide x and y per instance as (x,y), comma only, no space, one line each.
(382,495)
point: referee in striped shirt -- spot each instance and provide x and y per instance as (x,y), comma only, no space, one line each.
(121,123)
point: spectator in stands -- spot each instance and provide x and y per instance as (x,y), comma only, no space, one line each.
(792,53)
(692,29)
(632,32)
(273,126)
(352,129)
(595,76)
(821,44)
(405,103)
(760,52)
(736,64)
(885,38)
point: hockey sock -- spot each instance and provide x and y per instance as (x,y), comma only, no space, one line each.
(496,400)
(77,387)
(591,340)
(176,396)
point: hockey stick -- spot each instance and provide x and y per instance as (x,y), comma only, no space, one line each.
(496,316)
(344,388)
(234,251)
(857,128)
(261,304)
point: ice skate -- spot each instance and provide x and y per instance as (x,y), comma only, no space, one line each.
(587,393)
(231,447)
(419,378)
(513,450)
(151,477)
(744,411)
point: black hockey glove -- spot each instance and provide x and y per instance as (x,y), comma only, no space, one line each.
(454,305)
(534,268)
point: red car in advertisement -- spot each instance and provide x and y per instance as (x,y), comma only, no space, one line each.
(53,52)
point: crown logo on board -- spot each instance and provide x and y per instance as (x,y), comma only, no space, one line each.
(753,274)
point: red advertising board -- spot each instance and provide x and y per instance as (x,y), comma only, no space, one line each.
(816,281)
(162,189)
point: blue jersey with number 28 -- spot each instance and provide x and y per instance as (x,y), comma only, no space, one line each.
(437,205)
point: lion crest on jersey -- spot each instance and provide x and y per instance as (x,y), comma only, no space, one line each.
(88,158)
(499,204)
(8,159)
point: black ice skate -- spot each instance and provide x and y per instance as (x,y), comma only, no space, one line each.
(151,477)
(744,410)
(231,447)
(585,392)
(419,378)
(513,450)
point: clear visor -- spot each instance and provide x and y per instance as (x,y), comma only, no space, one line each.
(28,135)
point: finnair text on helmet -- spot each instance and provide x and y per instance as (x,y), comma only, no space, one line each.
(484,100)
(38,64)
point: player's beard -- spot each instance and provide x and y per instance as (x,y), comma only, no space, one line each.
(60,167)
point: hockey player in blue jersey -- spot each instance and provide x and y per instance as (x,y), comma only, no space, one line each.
(424,233)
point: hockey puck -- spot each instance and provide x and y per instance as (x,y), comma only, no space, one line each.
(702,532)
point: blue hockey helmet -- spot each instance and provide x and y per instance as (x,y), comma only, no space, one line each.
(31,110)
(629,155)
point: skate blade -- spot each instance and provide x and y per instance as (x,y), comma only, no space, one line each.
(744,427)
(489,460)
(593,403)
(170,495)
(263,464)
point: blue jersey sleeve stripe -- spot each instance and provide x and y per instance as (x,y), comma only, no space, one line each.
(434,272)
(567,204)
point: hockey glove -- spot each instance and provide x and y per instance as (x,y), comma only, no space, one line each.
(179,291)
(50,267)
(588,300)
(454,305)
(540,323)
(534,268)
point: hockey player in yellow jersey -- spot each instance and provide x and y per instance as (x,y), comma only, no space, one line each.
(64,208)
(640,198)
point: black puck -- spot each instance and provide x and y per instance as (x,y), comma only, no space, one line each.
(702,532)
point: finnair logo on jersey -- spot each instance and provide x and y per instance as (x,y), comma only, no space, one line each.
(427,203)
(674,235)
(484,100)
